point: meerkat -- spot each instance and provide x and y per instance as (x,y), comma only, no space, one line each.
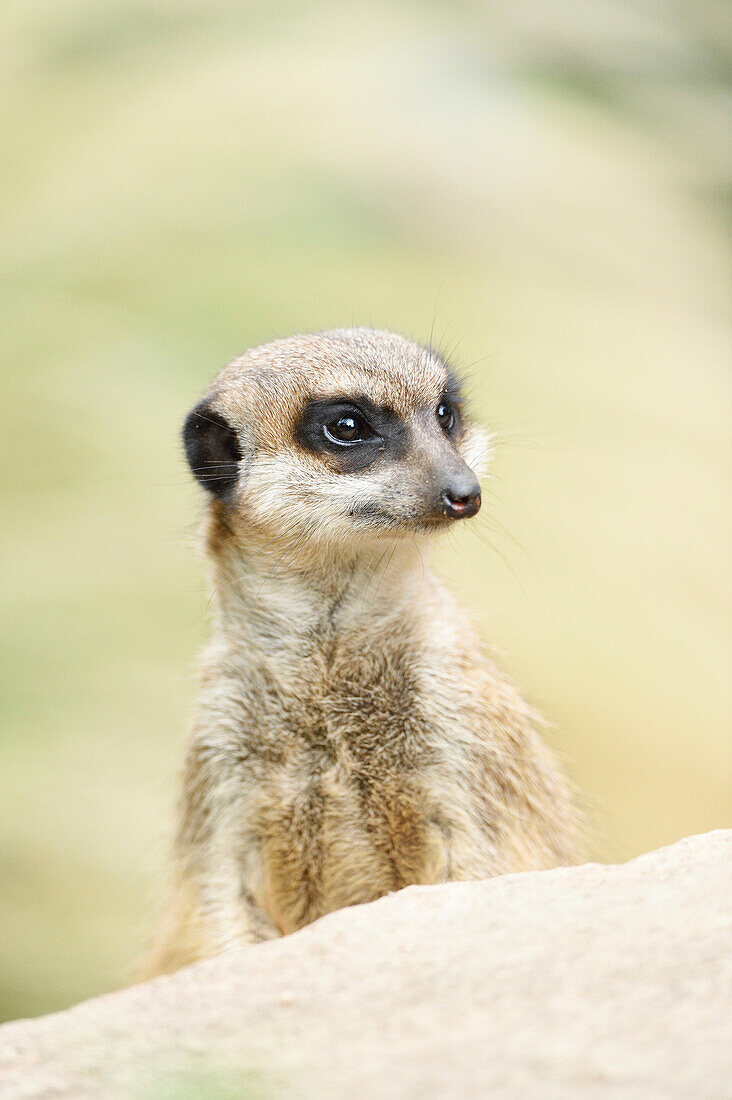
(353,735)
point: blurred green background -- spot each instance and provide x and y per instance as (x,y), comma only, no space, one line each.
(545,185)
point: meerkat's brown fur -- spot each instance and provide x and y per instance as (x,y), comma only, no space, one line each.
(352,736)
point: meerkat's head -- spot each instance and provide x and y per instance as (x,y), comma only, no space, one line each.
(336,440)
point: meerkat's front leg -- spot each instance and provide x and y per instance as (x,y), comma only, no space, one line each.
(228,916)
(217,857)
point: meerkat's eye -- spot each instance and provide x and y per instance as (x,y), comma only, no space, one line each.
(445,416)
(347,428)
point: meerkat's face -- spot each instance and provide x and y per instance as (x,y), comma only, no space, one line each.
(341,438)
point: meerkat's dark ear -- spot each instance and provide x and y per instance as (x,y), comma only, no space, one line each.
(212,448)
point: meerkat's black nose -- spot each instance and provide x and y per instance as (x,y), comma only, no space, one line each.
(461,499)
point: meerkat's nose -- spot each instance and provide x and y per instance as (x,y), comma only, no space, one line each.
(461,499)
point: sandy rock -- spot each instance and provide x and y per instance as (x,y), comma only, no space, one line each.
(593,981)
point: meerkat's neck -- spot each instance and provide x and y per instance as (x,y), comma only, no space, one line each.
(266,599)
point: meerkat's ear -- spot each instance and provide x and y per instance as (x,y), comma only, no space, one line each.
(212,448)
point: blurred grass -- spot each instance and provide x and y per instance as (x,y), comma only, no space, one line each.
(187,179)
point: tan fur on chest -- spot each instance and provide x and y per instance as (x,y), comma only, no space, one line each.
(345,807)
(333,841)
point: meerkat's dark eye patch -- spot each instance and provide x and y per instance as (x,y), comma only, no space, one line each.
(212,449)
(353,431)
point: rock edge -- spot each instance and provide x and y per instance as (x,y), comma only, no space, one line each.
(588,981)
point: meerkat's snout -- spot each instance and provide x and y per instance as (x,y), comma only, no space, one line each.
(395,471)
(451,487)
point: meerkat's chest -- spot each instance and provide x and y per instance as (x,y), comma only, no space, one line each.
(363,799)
(333,836)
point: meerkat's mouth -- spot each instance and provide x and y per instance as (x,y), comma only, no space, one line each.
(374,517)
